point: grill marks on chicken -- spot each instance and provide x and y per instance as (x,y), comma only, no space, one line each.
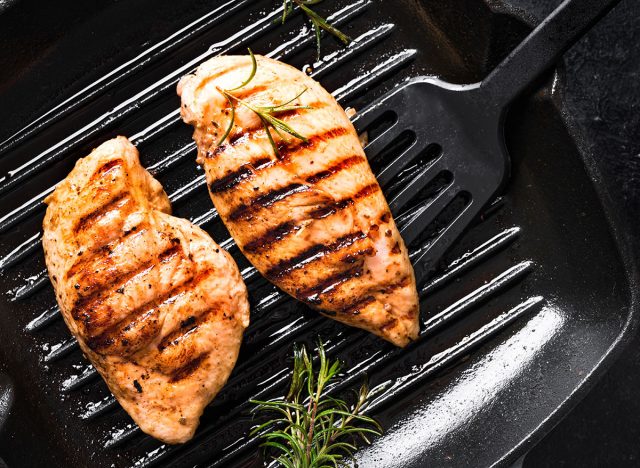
(341,165)
(320,252)
(121,336)
(311,217)
(246,211)
(155,304)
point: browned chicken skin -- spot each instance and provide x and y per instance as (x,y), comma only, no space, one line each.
(312,218)
(155,304)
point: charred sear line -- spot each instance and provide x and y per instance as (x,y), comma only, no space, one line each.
(213,76)
(356,307)
(264,201)
(88,220)
(100,291)
(187,327)
(238,137)
(117,333)
(245,172)
(231,180)
(176,337)
(367,190)
(355,256)
(217,150)
(188,369)
(288,114)
(336,168)
(286,149)
(87,260)
(327,286)
(142,313)
(271,237)
(332,208)
(287,228)
(261,163)
(312,254)
(389,324)
(389,288)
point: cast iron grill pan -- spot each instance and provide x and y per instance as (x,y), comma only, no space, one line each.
(508,295)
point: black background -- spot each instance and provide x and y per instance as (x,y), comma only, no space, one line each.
(603,95)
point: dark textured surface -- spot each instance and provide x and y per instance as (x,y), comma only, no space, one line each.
(603,96)
(600,72)
(603,92)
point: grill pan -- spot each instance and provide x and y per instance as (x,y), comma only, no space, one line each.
(521,313)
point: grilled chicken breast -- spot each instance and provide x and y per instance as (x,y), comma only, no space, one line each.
(156,305)
(311,217)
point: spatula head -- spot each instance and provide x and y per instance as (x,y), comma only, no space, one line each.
(440,141)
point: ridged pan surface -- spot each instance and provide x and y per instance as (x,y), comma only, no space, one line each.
(520,312)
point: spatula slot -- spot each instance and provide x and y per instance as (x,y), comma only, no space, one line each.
(427,155)
(424,159)
(440,182)
(417,167)
(380,124)
(443,219)
(380,161)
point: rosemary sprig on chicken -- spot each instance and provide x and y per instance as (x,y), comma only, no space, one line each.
(266,113)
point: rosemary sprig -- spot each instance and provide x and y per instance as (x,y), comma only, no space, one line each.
(254,68)
(311,429)
(317,22)
(266,113)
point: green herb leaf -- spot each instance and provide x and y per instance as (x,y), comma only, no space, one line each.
(313,429)
(324,24)
(317,22)
(232,121)
(278,124)
(254,68)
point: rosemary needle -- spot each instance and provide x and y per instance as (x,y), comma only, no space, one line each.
(317,22)
(231,122)
(254,68)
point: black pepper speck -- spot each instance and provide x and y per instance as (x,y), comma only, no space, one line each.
(138,386)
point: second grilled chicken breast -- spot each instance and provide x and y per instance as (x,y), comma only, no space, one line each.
(156,305)
(310,216)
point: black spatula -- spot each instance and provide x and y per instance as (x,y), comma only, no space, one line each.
(466,121)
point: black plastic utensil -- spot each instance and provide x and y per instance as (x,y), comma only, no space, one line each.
(466,122)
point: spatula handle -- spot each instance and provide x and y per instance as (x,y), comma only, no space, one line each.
(542,48)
